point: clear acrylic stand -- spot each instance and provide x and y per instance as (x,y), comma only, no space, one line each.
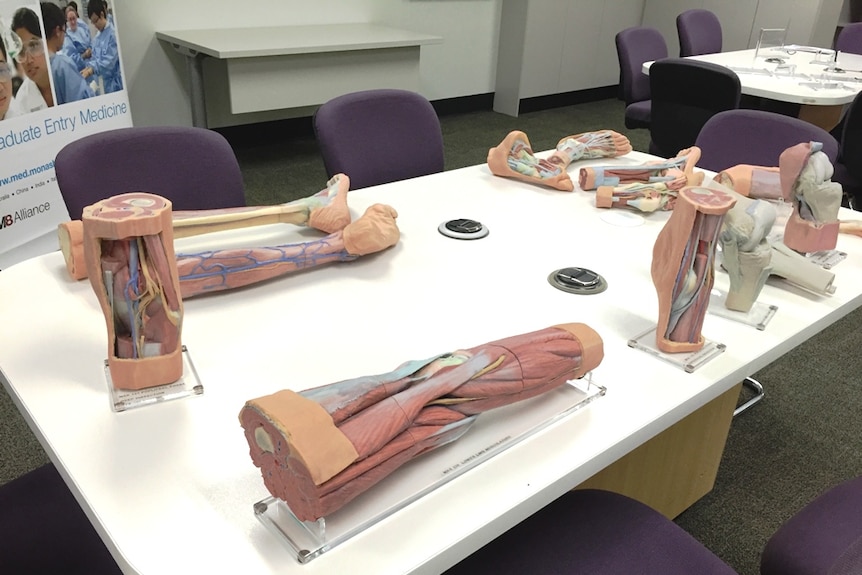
(758,316)
(189,384)
(688,362)
(827,259)
(493,432)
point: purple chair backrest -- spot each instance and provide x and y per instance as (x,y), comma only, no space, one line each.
(194,168)
(699,33)
(379,136)
(756,137)
(635,46)
(850,38)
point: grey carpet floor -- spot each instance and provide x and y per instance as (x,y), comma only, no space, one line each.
(803,438)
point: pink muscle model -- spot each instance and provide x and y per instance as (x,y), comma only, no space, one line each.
(128,249)
(514,157)
(219,270)
(805,173)
(675,173)
(683,269)
(326,211)
(320,448)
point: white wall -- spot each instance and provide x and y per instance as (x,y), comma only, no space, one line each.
(464,64)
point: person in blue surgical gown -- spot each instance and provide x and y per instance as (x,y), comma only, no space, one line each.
(104,64)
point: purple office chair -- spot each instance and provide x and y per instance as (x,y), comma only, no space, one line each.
(43,530)
(685,94)
(848,167)
(379,136)
(635,46)
(825,537)
(194,168)
(699,33)
(755,137)
(850,38)
(595,532)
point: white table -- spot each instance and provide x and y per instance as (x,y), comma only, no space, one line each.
(277,67)
(821,94)
(170,487)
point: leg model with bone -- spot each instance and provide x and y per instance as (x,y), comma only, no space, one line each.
(326,211)
(683,266)
(805,173)
(321,448)
(514,157)
(746,253)
(219,270)
(128,248)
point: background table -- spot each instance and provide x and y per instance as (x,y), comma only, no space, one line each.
(819,105)
(278,67)
(170,488)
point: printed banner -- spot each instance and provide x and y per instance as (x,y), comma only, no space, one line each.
(60,80)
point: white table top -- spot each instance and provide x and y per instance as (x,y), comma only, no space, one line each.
(170,488)
(286,40)
(760,78)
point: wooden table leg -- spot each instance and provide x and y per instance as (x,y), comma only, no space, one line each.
(827,117)
(674,469)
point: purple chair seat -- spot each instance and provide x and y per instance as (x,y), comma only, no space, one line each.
(43,531)
(638,114)
(824,538)
(594,532)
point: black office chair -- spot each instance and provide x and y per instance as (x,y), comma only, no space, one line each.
(685,94)
(635,46)
(848,167)
(43,530)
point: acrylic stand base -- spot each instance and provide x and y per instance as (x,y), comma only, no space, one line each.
(493,432)
(827,259)
(189,384)
(688,361)
(758,316)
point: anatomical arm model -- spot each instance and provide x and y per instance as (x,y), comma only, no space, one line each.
(683,266)
(675,173)
(514,157)
(805,173)
(128,249)
(326,211)
(320,448)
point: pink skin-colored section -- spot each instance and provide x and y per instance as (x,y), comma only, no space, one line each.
(514,157)
(408,412)
(129,255)
(683,268)
(678,170)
